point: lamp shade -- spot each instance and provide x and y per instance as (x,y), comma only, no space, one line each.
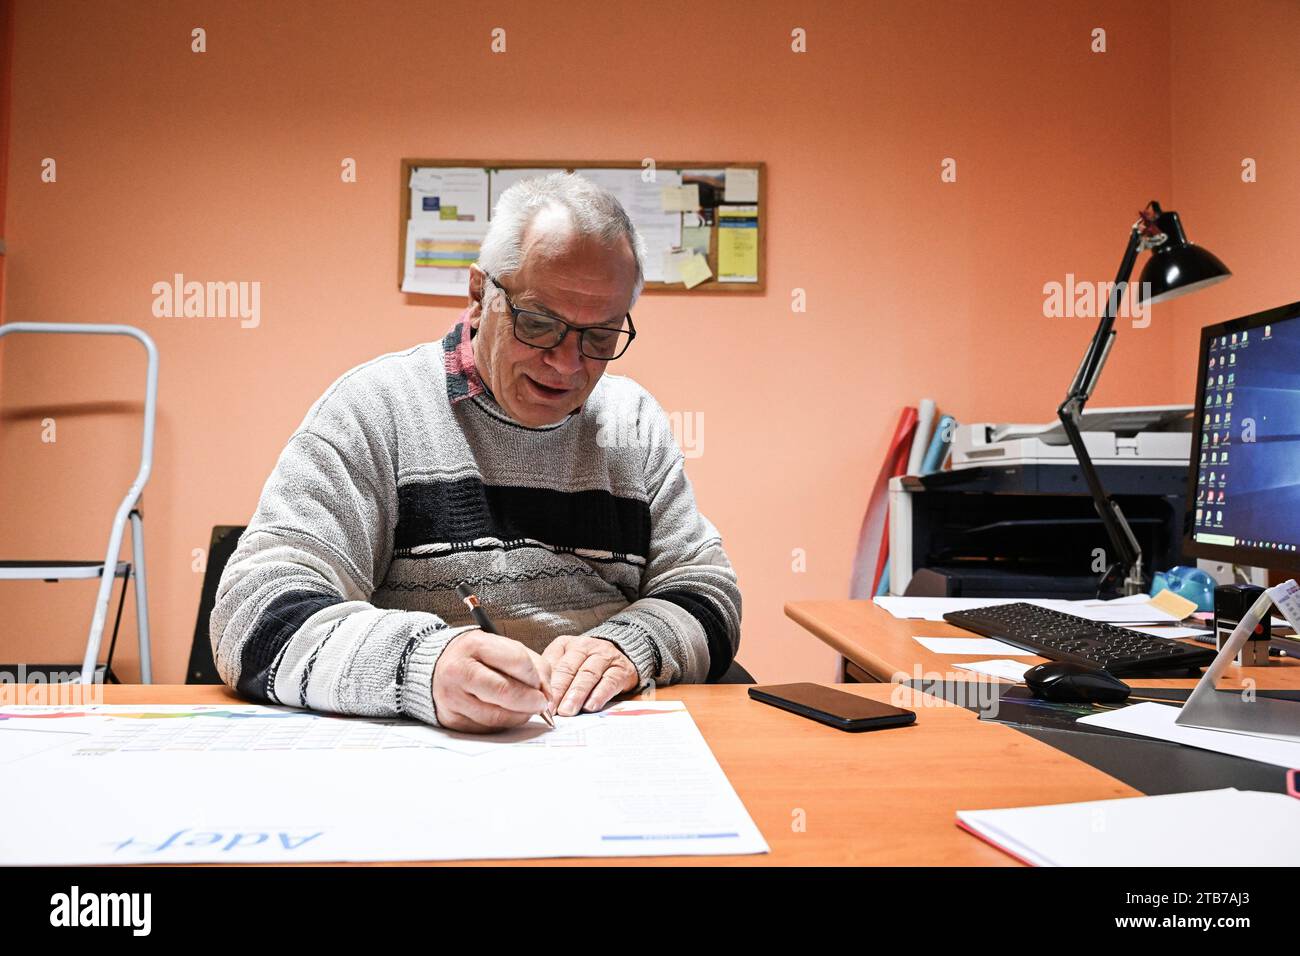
(1176,266)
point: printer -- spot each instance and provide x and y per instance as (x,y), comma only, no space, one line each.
(1013,517)
(1152,435)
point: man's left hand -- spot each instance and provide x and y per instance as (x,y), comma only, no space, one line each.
(586,673)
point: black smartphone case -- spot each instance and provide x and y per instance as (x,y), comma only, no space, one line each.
(839,723)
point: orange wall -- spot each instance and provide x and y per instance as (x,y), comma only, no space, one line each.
(225,166)
(1237,77)
(6,73)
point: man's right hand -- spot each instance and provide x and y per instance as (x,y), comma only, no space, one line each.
(486,682)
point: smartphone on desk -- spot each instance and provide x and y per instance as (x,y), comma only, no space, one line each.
(836,708)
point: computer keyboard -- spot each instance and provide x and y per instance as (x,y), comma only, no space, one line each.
(1066,637)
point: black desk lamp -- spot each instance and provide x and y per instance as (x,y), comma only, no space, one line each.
(1175,267)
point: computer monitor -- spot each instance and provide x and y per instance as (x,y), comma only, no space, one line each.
(1243,500)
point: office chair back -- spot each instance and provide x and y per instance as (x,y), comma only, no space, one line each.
(203,669)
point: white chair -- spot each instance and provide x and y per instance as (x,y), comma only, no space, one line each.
(128,510)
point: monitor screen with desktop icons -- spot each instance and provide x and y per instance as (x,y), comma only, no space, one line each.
(1244,487)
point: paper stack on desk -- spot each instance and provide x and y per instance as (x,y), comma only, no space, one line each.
(244,783)
(1169,830)
(1158,721)
(1120,611)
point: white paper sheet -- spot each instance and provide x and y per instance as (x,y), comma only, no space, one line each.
(1157,720)
(1003,668)
(969,645)
(258,784)
(503,179)
(428,238)
(742,184)
(1143,613)
(437,189)
(25,742)
(933,609)
(1171,633)
(1146,831)
(643,201)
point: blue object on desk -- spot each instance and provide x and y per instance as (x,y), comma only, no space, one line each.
(1191,583)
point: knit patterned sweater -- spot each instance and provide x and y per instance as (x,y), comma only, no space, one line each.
(405,479)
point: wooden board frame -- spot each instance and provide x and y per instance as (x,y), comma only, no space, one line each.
(569,165)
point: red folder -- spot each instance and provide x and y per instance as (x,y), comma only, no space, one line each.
(873,538)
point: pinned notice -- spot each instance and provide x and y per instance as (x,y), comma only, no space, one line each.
(681,198)
(742,184)
(695,270)
(737,243)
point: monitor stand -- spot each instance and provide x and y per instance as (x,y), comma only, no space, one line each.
(1236,711)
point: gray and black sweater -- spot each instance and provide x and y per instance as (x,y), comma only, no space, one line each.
(405,479)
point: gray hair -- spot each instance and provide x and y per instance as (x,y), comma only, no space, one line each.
(595,212)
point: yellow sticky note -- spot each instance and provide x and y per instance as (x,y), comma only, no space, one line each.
(674,259)
(447,212)
(680,198)
(695,270)
(737,243)
(1175,604)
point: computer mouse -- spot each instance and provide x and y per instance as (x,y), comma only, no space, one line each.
(1074,683)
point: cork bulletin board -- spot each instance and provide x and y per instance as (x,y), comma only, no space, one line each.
(703,223)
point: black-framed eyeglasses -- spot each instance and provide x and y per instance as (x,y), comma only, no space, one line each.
(601,342)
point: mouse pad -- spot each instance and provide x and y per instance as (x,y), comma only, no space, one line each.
(1150,766)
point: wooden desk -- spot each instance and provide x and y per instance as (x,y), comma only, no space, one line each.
(876,645)
(884,798)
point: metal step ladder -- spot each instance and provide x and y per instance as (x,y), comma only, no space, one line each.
(128,510)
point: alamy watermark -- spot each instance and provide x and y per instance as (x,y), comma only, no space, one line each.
(1079,298)
(626,430)
(43,687)
(935,689)
(208,300)
(77,907)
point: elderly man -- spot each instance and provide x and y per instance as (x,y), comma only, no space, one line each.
(486,459)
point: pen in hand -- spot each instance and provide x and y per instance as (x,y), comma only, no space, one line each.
(485,625)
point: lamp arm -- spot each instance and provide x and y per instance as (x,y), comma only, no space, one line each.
(1118,531)
(1085,379)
